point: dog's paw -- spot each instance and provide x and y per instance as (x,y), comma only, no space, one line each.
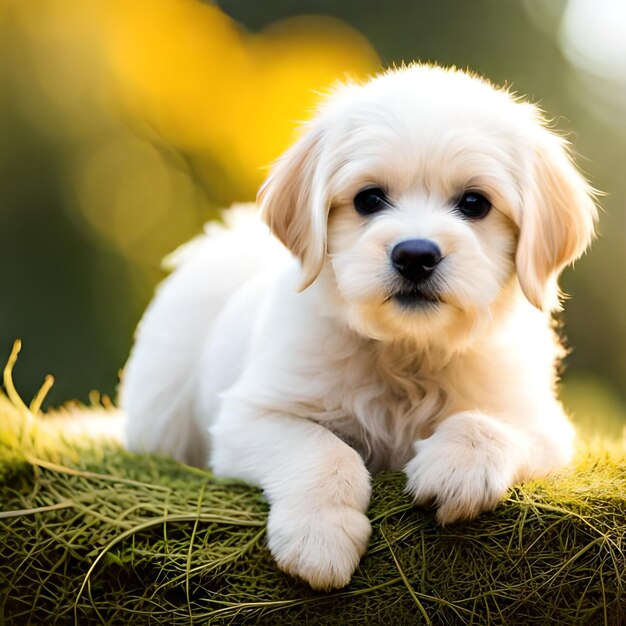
(322,546)
(465,467)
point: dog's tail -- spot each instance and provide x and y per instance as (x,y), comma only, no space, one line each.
(75,422)
(159,387)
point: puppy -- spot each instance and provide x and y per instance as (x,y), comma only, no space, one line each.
(426,217)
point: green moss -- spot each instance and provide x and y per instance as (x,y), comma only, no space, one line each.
(91,533)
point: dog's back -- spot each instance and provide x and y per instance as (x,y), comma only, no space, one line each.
(159,389)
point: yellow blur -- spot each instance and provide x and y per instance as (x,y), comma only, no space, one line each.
(170,107)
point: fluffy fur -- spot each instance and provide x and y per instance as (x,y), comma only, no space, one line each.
(305,393)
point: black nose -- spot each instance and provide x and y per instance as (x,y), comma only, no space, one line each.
(416,259)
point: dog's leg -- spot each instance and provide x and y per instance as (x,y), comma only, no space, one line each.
(472,460)
(317,486)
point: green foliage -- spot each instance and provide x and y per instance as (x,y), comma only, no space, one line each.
(91,533)
(597,410)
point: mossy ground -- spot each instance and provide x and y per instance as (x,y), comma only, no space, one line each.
(92,534)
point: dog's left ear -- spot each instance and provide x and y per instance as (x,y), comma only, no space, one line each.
(294,202)
(557,221)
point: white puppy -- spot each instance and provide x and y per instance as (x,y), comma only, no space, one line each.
(429,216)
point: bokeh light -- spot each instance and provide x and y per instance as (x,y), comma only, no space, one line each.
(592,35)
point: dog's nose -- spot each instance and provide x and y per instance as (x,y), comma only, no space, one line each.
(416,259)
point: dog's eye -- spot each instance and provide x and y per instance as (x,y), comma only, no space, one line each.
(370,201)
(474,205)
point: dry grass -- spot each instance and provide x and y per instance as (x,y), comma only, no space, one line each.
(92,534)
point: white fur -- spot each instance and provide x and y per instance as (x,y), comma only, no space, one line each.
(306,393)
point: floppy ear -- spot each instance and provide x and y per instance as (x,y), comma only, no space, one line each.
(294,203)
(557,221)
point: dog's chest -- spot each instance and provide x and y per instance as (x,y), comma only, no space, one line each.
(380,407)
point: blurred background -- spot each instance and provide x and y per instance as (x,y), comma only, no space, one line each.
(126,124)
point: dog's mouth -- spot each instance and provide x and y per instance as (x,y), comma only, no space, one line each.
(414,297)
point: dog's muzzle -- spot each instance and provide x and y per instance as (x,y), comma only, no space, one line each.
(415,260)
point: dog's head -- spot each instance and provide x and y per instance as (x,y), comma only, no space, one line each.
(430,196)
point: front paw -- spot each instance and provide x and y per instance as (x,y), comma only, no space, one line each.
(323,546)
(466,467)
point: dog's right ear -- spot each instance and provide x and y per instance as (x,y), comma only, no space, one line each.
(294,202)
(558,221)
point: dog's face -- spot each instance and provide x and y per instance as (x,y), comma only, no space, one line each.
(431,196)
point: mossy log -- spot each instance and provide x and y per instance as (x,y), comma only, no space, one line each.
(92,534)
